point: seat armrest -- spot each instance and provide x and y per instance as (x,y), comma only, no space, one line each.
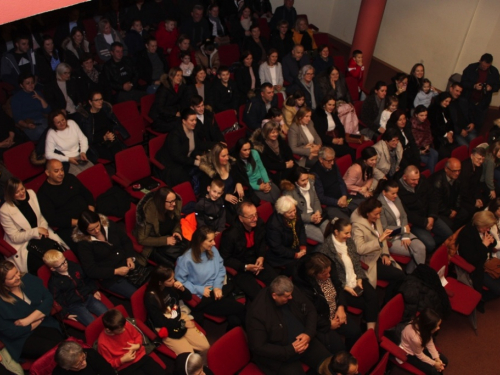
(462,263)
(120,181)
(157,164)
(392,348)
(231,271)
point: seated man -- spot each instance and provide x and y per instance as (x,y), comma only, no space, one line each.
(122,75)
(17,61)
(472,194)
(447,188)
(243,247)
(389,155)
(151,65)
(256,109)
(196,27)
(62,199)
(224,92)
(461,116)
(285,12)
(292,63)
(421,205)
(205,121)
(330,186)
(281,325)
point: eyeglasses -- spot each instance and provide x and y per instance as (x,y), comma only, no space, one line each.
(251,217)
(170,202)
(329,161)
(62,264)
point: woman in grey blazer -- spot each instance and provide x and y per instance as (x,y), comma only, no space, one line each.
(303,138)
(271,71)
(393,216)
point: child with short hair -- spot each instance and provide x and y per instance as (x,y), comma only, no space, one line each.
(210,209)
(390,106)
(167,36)
(186,65)
(356,68)
(72,290)
(122,347)
(425,95)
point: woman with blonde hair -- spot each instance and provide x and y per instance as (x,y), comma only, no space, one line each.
(303,138)
(105,38)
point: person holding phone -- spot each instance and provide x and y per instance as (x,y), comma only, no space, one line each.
(341,249)
(394,217)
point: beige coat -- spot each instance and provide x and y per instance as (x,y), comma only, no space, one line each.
(384,161)
(368,246)
(288,114)
(297,140)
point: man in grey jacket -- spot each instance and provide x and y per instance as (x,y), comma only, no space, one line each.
(17,61)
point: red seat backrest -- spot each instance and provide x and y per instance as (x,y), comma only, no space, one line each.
(265,31)
(155,144)
(132,164)
(265,210)
(440,165)
(229,354)
(461,153)
(96,179)
(130,221)
(476,142)
(343,163)
(440,259)
(146,104)
(362,147)
(366,351)
(129,116)
(186,192)
(228,54)
(35,183)
(225,119)
(17,161)
(390,315)
(137,302)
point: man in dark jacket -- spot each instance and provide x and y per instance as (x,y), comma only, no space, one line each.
(461,115)
(471,193)
(420,203)
(285,12)
(281,328)
(447,189)
(256,109)
(17,61)
(122,75)
(480,80)
(196,27)
(292,63)
(224,92)
(205,121)
(151,64)
(243,248)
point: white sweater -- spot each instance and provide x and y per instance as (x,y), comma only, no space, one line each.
(70,141)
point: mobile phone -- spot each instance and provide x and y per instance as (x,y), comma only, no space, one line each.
(82,162)
(396,231)
(358,290)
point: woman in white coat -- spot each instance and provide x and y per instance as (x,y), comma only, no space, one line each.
(270,71)
(22,221)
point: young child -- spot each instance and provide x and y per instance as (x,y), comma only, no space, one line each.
(356,68)
(186,65)
(224,92)
(121,345)
(134,39)
(390,106)
(275,115)
(425,95)
(210,209)
(72,290)
(167,35)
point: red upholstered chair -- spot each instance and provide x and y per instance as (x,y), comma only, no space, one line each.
(146,104)
(129,116)
(358,107)
(264,28)
(426,173)
(228,54)
(46,363)
(463,298)
(461,153)
(476,142)
(186,192)
(362,147)
(95,328)
(35,183)
(352,86)
(339,62)
(265,210)
(226,119)
(154,146)
(230,355)
(130,221)
(5,249)
(132,165)
(241,112)
(343,163)
(440,165)
(366,351)
(17,161)
(322,38)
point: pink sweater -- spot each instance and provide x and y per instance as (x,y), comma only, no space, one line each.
(412,345)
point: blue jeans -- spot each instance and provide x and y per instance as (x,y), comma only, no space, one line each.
(464,141)
(84,310)
(122,287)
(440,230)
(35,134)
(430,160)
(151,89)
(493,286)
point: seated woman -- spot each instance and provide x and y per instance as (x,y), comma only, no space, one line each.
(105,252)
(27,328)
(75,46)
(359,177)
(292,104)
(256,44)
(183,45)
(341,249)
(332,83)
(163,302)
(271,71)
(201,270)
(171,98)
(100,127)
(158,226)
(275,153)
(241,23)
(248,160)
(411,153)
(301,188)
(47,58)
(372,109)
(200,84)
(305,83)
(442,125)
(415,82)
(67,143)
(475,242)
(218,163)
(323,61)
(303,138)
(320,282)
(371,243)
(90,79)
(246,77)
(421,129)
(398,89)
(281,39)
(105,38)
(491,170)
(285,235)
(303,35)
(23,221)
(330,128)
(71,358)
(393,217)
(416,341)
(29,108)
(389,156)
(208,57)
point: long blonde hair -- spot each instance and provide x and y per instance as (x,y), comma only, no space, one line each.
(214,157)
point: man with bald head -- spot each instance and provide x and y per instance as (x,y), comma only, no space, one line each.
(62,198)
(292,63)
(421,205)
(447,187)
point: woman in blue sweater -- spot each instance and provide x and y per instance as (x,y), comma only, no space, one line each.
(26,327)
(201,270)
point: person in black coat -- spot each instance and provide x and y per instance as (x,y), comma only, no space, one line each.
(442,125)
(256,108)
(398,89)
(201,84)
(196,27)
(330,128)
(473,196)
(205,120)
(372,109)
(89,79)
(64,28)
(305,83)
(315,273)
(224,92)
(135,39)
(145,67)
(171,98)
(257,45)
(243,77)
(282,40)
(293,62)
(243,248)
(55,97)
(285,12)
(47,58)
(411,152)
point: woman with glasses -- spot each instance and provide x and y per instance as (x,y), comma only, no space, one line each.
(71,357)
(398,89)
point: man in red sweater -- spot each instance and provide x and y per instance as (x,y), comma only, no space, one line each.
(356,68)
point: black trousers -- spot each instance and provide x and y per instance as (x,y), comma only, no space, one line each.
(425,367)
(391,274)
(145,366)
(333,338)
(227,307)
(247,282)
(368,302)
(42,339)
